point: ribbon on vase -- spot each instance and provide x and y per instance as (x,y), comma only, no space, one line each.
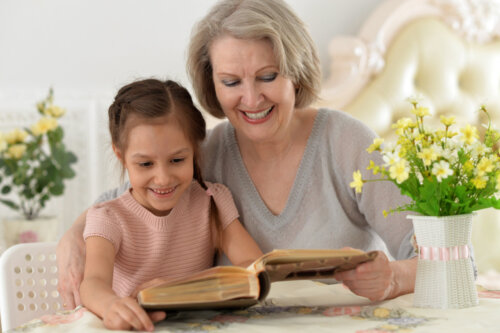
(444,253)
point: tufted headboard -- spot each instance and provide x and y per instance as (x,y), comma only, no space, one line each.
(447,52)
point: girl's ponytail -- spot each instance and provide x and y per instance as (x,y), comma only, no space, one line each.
(214,212)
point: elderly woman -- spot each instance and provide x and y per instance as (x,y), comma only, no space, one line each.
(287,164)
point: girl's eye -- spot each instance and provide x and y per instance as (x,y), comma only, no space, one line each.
(145,164)
(230,83)
(269,77)
(177,160)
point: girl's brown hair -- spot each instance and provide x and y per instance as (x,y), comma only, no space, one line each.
(151,99)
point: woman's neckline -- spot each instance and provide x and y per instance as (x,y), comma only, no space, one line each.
(296,193)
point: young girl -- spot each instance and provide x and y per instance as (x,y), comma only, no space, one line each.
(170,222)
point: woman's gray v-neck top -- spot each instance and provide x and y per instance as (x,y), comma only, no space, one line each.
(322,210)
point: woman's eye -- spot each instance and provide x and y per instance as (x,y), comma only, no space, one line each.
(145,164)
(230,83)
(269,77)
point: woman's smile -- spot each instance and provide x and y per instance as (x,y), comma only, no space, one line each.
(258,117)
(258,100)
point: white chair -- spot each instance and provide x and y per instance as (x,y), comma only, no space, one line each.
(28,283)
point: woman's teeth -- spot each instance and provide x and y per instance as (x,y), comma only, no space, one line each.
(258,115)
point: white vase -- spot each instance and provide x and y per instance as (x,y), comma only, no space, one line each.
(445,273)
(18,230)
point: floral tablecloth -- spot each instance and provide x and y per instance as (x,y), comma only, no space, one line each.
(306,306)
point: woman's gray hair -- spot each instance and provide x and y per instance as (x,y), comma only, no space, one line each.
(271,20)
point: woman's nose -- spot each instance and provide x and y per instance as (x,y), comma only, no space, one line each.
(251,96)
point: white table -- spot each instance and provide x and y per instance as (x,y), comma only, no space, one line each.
(306,306)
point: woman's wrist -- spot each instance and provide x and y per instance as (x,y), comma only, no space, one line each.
(404,277)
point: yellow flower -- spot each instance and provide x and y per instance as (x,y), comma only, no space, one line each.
(376,168)
(441,170)
(428,155)
(447,121)
(375,145)
(386,213)
(399,171)
(468,166)
(479,182)
(43,126)
(357,182)
(54,111)
(484,166)
(381,312)
(402,124)
(16,151)
(16,136)
(469,134)
(498,182)
(421,111)
(3,143)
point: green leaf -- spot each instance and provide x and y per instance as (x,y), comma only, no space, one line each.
(67,172)
(57,188)
(71,158)
(6,189)
(10,204)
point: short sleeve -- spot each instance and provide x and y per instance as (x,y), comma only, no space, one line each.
(100,223)
(225,203)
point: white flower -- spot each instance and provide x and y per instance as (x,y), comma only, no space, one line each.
(400,171)
(441,170)
(391,158)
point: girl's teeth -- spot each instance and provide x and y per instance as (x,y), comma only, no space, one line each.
(258,115)
(162,192)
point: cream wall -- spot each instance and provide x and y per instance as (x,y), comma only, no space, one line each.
(87,49)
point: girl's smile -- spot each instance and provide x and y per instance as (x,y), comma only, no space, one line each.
(158,173)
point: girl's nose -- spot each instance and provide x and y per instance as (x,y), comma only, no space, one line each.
(251,96)
(163,176)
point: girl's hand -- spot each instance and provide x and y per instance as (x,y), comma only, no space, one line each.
(374,280)
(125,313)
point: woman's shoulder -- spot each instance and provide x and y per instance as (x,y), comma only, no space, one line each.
(215,136)
(341,126)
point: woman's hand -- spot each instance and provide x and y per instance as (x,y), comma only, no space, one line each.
(380,279)
(125,313)
(71,263)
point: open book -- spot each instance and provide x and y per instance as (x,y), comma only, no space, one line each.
(238,287)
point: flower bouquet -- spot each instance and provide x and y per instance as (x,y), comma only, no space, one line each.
(448,175)
(34,161)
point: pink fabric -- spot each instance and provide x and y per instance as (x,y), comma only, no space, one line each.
(149,246)
(444,253)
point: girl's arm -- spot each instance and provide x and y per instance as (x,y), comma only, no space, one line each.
(71,254)
(97,295)
(238,245)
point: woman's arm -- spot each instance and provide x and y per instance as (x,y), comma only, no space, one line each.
(381,279)
(238,245)
(97,295)
(71,263)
